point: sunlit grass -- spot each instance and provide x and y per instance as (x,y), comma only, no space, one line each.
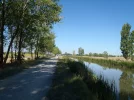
(73,81)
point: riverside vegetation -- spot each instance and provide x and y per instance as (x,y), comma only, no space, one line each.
(121,72)
(108,62)
(74,81)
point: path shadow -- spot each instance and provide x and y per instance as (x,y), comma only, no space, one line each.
(31,84)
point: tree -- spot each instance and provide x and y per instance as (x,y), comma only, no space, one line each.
(25,24)
(95,54)
(2,24)
(47,43)
(80,51)
(105,54)
(56,51)
(90,54)
(125,41)
(132,45)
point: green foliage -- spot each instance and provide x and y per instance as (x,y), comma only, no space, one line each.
(123,65)
(98,86)
(126,79)
(56,50)
(28,25)
(68,86)
(126,83)
(73,81)
(90,54)
(80,51)
(105,54)
(46,43)
(79,68)
(132,45)
(125,40)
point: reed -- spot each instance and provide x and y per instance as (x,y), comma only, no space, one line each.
(74,81)
(108,63)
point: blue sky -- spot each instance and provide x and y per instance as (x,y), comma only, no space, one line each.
(94,25)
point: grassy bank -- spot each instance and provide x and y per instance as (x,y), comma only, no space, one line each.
(73,81)
(109,63)
(14,68)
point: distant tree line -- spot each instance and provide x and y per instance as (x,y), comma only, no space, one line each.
(104,54)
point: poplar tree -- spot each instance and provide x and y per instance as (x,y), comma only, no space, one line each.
(132,44)
(125,40)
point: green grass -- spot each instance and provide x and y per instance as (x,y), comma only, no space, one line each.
(14,68)
(123,65)
(73,81)
(68,86)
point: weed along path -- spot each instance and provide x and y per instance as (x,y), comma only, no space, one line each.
(31,84)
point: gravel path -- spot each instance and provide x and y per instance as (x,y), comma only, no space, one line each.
(31,84)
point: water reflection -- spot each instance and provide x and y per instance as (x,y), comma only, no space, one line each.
(126,86)
(124,80)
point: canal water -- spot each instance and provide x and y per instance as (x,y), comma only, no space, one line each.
(123,79)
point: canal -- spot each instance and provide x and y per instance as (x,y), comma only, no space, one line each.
(123,79)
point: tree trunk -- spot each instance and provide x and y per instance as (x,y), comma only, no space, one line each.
(35,54)
(10,44)
(31,51)
(15,55)
(6,57)
(32,55)
(19,49)
(12,57)
(1,34)
(37,48)
(16,45)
